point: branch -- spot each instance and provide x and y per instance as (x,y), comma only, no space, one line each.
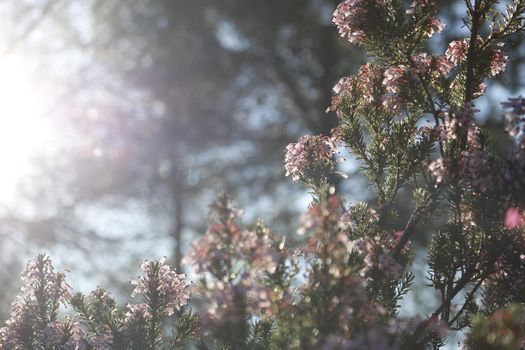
(410,227)
(467,300)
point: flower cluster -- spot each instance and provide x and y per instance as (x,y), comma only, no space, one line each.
(458,123)
(330,227)
(227,245)
(162,287)
(350,18)
(457,52)
(439,168)
(311,159)
(434,26)
(387,88)
(498,63)
(98,324)
(36,307)
(242,270)
(394,77)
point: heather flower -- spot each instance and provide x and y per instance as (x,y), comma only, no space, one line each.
(457,52)
(232,303)
(366,86)
(68,335)
(78,340)
(331,212)
(369,77)
(512,124)
(478,171)
(236,265)
(344,85)
(137,311)
(227,247)
(330,227)
(514,218)
(434,26)
(311,159)
(40,276)
(36,306)
(482,88)
(439,169)
(393,104)
(350,17)
(161,287)
(266,252)
(422,62)
(459,122)
(224,242)
(394,77)
(498,63)
(442,65)
(226,304)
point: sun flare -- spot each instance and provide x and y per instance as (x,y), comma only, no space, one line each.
(23,127)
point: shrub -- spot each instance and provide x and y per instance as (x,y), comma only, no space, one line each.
(408,115)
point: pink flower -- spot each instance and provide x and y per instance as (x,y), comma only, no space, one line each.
(498,63)
(393,78)
(482,88)
(40,275)
(457,51)
(422,62)
(136,312)
(458,122)
(514,219)
(439,168)
(161,282)
(344,85)
(349,18)
(392,104)
(368,78)
(310,159)
(442,65)
(434,26)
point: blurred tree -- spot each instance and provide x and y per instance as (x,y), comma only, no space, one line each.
(169,102)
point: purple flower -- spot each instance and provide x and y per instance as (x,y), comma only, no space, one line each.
(514,218)
(162,287)
(311,158)
(439,169)
(457,51)
(498,63)
(349,18)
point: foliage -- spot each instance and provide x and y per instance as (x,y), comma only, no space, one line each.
(342,287)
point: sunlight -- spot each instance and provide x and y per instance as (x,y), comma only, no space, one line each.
(23,128)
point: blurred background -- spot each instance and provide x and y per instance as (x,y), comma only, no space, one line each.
(120,120)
